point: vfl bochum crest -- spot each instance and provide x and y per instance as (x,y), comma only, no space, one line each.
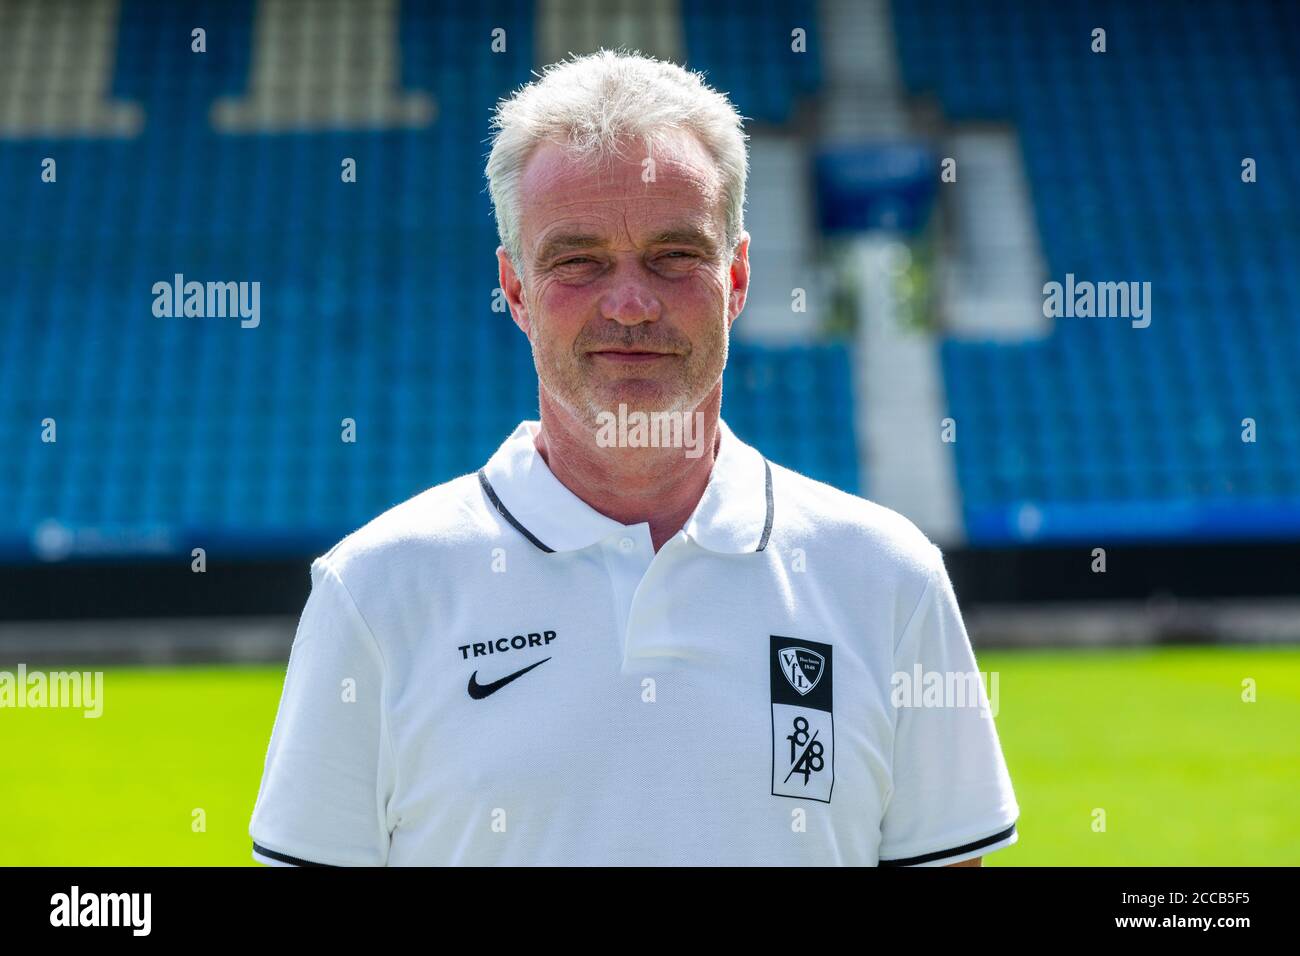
(803,727)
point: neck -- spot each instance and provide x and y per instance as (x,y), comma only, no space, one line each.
(659,486)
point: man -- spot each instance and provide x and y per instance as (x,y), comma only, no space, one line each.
(623,645)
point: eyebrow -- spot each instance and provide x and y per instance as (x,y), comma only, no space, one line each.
(677,235)
(686,236)
(565,242)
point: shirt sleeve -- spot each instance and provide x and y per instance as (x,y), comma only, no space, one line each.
(951,797)
(329,773)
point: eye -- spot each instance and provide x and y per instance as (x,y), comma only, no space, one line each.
(574,260)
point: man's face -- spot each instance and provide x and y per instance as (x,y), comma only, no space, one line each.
(626,290)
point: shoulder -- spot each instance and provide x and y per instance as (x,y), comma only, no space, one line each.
(426,528)
(856,528)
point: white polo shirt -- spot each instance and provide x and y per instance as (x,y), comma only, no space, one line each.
(495,673)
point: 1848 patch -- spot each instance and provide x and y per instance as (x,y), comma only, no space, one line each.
(803,727)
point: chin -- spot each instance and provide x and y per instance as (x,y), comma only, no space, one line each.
(641,396)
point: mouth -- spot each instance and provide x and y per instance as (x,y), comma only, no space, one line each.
(629,355)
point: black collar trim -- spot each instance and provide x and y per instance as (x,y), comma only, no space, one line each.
(505,512)
(514,522)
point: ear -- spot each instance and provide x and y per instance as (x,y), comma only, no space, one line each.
(512,287)
(739,276)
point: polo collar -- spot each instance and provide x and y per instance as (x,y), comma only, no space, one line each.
(734,516)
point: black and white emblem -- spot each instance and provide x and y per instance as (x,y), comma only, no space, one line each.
(801,667)
(803,727)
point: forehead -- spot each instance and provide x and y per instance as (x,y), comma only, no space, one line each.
(558,189)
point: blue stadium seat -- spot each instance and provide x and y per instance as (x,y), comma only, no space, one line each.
(376,297)
(1134,158)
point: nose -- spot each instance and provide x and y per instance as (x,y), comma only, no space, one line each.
(630,304)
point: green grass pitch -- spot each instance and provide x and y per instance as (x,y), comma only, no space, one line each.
(1186,772)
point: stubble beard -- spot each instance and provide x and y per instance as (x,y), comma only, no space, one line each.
(586,399)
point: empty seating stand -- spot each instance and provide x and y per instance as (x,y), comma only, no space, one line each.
(1135,162)
(376,297)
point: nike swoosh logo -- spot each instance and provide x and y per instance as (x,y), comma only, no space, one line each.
(479,691)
